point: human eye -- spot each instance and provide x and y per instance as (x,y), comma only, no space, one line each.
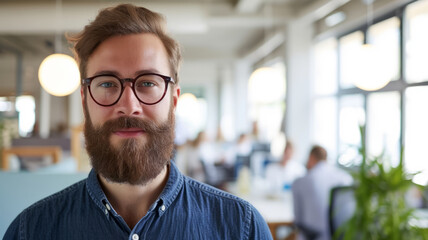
(148,81)
(106,82)
(146,84)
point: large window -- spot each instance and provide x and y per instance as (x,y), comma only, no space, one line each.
(416,46)
(351,116)
(266,94)
(325,85)
(383,125)
(416,135)
(350,46)
(385,38)
(395,115)
(24,108)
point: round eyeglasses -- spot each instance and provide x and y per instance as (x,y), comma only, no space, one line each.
(106,89)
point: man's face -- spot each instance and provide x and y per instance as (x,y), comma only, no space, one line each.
(130,141)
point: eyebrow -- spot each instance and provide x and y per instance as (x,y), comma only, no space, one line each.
(116,73)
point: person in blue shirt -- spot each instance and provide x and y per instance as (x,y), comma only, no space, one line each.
(129,67)
(311,195)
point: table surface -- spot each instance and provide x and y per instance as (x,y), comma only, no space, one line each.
(273,209)
(276,208)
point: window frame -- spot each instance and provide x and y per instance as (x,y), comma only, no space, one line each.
(399,85)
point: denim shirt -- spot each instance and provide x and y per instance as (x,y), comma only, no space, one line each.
(186,209)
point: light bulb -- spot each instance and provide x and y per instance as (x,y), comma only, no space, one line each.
(266,85)
(369,75)
(59,74)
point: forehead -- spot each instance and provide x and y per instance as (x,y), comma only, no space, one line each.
(129,54)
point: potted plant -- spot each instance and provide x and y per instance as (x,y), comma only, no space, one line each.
(381,209)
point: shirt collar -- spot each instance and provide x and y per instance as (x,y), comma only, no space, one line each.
(96,192)
(167,197)
(172,188)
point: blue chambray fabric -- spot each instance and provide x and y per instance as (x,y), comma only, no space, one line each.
(186,209)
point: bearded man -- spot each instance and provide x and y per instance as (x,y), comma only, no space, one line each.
(130,87)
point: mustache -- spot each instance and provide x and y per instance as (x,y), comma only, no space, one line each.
(129,122)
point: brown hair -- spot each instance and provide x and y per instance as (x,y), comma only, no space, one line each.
(124,19)
(319,153)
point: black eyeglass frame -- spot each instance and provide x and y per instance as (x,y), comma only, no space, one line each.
(87,81)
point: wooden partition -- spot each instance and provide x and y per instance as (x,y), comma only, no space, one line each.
(30,151)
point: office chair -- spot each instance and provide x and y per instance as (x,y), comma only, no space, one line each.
(307,232)
(341,208)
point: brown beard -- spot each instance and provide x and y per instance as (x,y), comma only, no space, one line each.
(132,162)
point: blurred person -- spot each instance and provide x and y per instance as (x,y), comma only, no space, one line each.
(193,163)
(244,145)
(311,195)
(242,151)
(215,158)
(129,67)
(282,174)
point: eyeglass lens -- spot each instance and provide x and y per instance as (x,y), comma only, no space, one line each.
(107,89)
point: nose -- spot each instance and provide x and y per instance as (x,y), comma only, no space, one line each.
(128,104)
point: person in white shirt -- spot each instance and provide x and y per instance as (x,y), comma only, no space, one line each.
(281,175)
(311,195)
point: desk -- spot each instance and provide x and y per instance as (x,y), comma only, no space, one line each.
(277,211)
(32,151)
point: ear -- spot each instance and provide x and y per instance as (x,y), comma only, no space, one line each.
(82,95)
(176,94)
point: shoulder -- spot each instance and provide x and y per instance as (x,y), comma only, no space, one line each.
(44,211)
(62,196)
(337,171)
(230,210)
(327,173)
(301,182)
(205,192)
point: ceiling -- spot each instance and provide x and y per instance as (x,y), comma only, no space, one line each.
(208,30)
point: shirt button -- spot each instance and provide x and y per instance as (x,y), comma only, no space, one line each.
(135,236)
(108,207)
(162,208)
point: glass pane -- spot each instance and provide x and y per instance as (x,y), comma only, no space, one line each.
(351,116)
(416,47)
(385,38)
(325,72)
(325,124)
(350,46)
(383,125)
(26,107)
(416,137)
(267,98)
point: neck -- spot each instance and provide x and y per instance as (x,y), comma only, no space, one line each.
(133,201)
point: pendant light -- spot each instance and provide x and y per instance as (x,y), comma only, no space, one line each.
(261,76)
(58,73)
(368,76)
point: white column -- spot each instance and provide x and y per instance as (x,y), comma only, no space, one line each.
(75,109)
(298,111)
(45,109)
(227,103)
(242,74)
